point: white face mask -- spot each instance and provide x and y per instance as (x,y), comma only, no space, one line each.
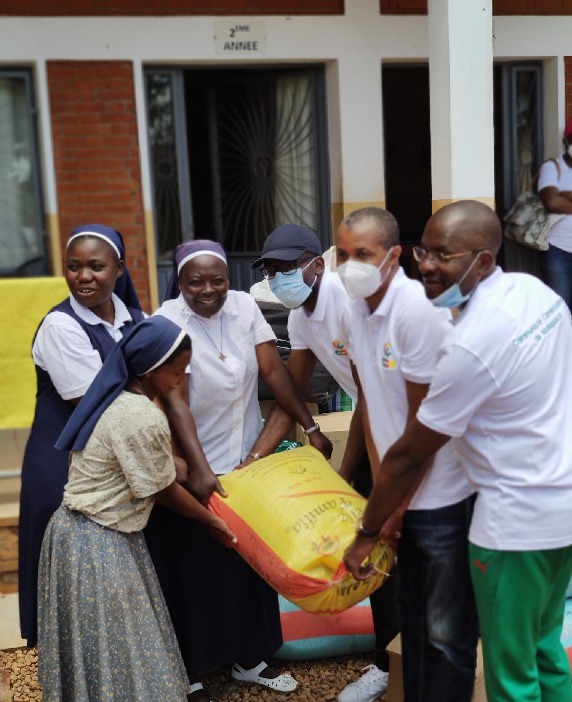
(362,279)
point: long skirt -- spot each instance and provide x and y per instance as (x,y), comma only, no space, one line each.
(44,474)
(104,632)
(222,610)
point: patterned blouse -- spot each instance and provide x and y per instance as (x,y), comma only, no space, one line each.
(126,461)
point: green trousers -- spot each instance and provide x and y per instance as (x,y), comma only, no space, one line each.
(520,600)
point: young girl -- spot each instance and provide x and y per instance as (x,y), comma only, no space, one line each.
(104,632)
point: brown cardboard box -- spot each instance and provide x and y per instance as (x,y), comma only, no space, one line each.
(395,686)
(265,406)
(335,426)
(479,692)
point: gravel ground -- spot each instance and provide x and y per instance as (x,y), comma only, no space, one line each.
(319,680)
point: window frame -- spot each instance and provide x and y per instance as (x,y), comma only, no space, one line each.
(41,267)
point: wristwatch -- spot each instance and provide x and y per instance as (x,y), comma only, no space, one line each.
(312,429)
(367,533)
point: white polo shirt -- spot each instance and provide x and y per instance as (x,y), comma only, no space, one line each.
(323,333)
(63,349)
(223,395)
(503,384)
(399,342)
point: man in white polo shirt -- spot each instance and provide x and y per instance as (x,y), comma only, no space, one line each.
(503,386)
(292,263)
(394,338)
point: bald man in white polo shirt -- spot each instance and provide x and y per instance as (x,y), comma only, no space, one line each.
(394,338)
(503,387)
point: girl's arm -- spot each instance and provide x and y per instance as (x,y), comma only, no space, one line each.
(178,499)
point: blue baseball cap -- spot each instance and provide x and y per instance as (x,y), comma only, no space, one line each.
(287,243)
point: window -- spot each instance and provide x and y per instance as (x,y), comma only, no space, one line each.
(22,235)
(235,153)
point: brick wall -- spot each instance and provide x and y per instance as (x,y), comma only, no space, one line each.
(170,7)
(500,7)
(568,88)
(83,8)
(403,7)
(96,154)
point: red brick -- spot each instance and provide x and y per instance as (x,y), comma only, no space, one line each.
(96,150)
(171,7)
(403,7)
(568,80)
(500,7)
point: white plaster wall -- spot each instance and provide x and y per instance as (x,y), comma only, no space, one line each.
(461,96)
(353,47)
(533,39)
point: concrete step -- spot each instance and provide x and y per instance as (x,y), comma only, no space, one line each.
(9,547)
(9,617)
(9,623)
(12,445)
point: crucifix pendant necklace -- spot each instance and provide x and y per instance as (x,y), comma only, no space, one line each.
(220,353)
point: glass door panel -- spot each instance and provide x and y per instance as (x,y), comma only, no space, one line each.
(234,154)
(22,233)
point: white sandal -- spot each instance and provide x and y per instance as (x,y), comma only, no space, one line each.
(195,687)
(281,683)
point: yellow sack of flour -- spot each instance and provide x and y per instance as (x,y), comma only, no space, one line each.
(294,517)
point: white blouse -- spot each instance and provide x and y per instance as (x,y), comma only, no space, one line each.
(223,394)
(63,349)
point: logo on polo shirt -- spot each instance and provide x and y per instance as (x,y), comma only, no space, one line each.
(339,348)
(388,360)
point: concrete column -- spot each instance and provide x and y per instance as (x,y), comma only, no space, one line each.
(361,127)
(359,123)
(461,100)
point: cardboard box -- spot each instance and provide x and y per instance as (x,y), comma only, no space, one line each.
(395,684)
(335,426)
(265,406)
(479,691)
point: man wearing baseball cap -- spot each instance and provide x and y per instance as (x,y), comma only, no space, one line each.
(292,263)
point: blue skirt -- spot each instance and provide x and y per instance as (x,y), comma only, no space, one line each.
(104,632)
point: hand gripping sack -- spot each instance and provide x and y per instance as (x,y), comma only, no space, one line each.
(294,517)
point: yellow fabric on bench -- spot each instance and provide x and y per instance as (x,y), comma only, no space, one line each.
(23,304)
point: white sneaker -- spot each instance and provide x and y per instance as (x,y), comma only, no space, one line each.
(371,684)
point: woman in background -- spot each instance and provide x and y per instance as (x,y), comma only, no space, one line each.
(104,629)
(69,348)
(555,191)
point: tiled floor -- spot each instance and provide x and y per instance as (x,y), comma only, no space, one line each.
(9,624)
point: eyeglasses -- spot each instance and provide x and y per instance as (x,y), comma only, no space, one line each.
(286,268)
(421,254)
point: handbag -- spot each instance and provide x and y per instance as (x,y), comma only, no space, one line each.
(528,222)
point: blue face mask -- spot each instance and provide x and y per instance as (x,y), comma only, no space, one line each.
(291,289)
(452,296)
